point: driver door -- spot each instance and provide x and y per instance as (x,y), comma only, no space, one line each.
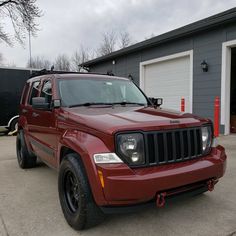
(46,135)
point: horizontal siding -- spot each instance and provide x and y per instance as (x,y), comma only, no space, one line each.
(230,32)
(167,49)
(207,85)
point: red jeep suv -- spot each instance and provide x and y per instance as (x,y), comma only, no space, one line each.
(115,149)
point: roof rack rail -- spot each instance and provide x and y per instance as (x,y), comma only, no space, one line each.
(48,72)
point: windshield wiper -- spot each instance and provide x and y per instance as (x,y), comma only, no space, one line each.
(87,104)
(128,103)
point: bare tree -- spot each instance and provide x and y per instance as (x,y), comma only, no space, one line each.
(79,57)
(152,35)
(124,39)
(112,41)
(39,62)
(11,64)
(108,43)
(62,62)
(22,15)
(92,54)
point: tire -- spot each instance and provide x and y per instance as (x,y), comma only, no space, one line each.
(24,157)
(14,125)
(75,195)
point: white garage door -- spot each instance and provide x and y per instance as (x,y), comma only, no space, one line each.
(169,79)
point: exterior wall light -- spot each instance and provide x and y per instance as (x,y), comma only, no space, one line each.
(113,62)
(204,66)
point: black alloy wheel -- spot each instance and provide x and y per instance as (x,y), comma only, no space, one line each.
(71,191)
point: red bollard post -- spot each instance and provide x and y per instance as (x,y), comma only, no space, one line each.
(216,116)
(182,105)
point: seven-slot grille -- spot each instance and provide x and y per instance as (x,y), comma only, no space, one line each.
(173,145)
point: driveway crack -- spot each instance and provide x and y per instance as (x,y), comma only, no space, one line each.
(4,225)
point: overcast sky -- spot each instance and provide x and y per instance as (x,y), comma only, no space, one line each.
(65,25)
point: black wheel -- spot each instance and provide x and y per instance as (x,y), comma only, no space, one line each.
(14,125)
(76,199)
(24,157)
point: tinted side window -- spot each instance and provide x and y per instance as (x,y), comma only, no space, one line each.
(34,91)
(47,91)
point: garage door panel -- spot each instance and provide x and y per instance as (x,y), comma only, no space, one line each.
(169,84)
(178,93)
(177,75)
(171,72)
(169,80)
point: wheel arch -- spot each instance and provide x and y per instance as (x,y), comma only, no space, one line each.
(85,145)
(64,151)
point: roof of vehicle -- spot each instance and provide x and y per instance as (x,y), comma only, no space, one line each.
(88,75)
(72,75)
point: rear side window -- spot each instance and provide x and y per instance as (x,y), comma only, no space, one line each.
(24,94)
(47,91)
(34,91)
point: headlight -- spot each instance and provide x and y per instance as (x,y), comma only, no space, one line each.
(131,148)
(206,139)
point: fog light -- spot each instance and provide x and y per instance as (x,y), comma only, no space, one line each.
(106,158)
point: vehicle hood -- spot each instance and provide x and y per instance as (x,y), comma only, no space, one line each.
(122,118)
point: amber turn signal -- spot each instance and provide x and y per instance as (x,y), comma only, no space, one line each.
(101,178)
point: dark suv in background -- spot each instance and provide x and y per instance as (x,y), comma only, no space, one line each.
(113,148)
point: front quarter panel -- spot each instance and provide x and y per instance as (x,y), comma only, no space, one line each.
(86,145)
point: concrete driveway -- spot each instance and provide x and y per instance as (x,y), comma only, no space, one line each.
(29,205)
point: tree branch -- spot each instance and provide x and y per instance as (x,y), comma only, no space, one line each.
(8,2)
(23,15)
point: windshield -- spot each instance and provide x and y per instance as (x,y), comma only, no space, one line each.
(99,91)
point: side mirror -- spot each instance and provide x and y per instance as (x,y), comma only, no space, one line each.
(156,101)
(40,103)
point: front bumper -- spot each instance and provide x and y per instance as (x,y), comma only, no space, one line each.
(141,206)
(124,186)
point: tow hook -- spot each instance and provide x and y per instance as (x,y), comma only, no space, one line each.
(211,184)
(161,199)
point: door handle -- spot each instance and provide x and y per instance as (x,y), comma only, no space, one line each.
(24,111)
(34,114)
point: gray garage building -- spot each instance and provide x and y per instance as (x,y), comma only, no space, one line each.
(197,62)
